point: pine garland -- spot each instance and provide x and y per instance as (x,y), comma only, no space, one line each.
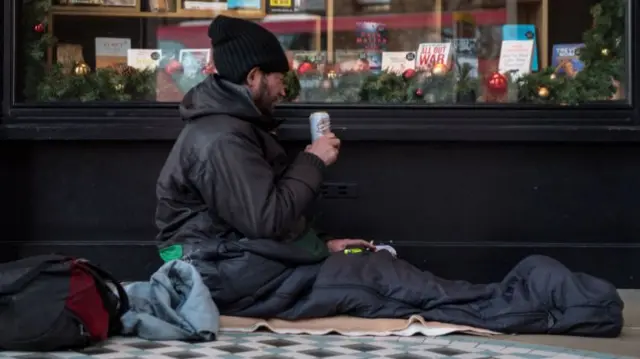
(36,44)
(292,86)
(51,83)
(108,84)
(603,56)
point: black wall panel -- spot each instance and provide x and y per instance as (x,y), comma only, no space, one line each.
(463,210)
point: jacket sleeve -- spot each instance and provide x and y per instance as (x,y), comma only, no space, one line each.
(240,184)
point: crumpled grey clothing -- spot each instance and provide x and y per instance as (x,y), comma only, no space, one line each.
(174,305)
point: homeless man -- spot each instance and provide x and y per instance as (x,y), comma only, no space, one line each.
(231,203)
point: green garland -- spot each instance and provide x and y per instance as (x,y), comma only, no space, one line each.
(603,56)
(36,44)
(53,83)
(108,84)
(292,86)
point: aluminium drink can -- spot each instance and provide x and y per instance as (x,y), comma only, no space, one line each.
(320,124)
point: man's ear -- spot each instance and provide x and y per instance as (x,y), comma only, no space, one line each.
(253,77)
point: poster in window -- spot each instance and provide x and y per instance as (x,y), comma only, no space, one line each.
(371,36)
(398,61)
(523,33)
(194,61)
(431,53)
(566,59)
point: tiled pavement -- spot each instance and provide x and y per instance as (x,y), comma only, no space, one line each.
(275,346)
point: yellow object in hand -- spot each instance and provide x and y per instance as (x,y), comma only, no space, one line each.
(352,250)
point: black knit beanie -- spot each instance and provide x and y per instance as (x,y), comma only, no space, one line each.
(240,45)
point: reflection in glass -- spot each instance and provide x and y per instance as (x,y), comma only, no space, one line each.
(429,52)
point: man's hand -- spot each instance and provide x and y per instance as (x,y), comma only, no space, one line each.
(326,148)
(339,245)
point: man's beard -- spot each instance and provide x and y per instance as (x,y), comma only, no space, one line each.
(264,102)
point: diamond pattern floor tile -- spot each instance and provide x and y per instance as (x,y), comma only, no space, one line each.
(274,346)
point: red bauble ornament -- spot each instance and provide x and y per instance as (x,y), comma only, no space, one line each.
(497,83)
(408,73)
(305,67)
(39,28)
(419,92)
(173,66)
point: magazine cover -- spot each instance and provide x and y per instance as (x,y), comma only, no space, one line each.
(142,59)
(463,37)
(371,36)
(194,61)
(516,57)
(566,59)
(465,54)
(398,61)
(431,53)
(464,49)
(349,61)
(523,32)
(111,51)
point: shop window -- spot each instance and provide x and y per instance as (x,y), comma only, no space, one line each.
(417,52)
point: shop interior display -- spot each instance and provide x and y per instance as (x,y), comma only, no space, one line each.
(603,56)
(70,78)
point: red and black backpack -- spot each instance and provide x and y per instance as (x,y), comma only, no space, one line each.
(54,302)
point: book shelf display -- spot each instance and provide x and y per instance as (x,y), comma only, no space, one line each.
(110,50)
(479,34)
(505,43)
(157,9)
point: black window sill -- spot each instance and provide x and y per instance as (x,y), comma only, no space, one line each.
(162,122)
(299,132)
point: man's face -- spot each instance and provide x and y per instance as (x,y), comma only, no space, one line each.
(266,89)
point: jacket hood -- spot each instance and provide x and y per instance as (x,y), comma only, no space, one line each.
(216,96)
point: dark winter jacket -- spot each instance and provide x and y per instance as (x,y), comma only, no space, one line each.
(228,178)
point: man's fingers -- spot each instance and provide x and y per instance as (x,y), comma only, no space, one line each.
(361,243)
(369,245)
(334,142)
(330,135)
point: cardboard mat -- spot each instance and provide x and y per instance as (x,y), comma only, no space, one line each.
(348,326)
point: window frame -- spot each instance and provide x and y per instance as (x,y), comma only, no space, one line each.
(481,122)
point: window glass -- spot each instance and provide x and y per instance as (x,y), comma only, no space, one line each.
(419,52)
